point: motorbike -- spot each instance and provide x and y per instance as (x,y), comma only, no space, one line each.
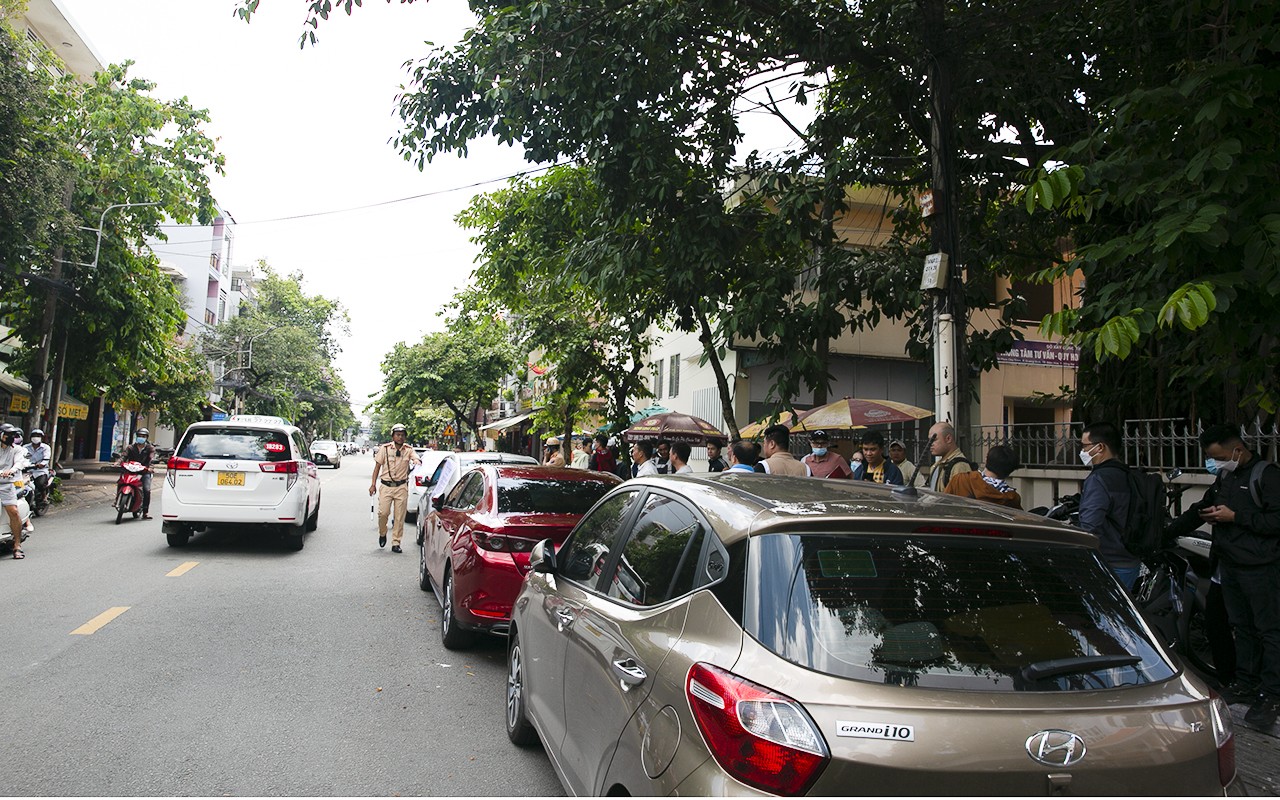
(23,489)
(129,490)
(39,498)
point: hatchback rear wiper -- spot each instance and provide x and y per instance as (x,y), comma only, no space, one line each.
(1071,666)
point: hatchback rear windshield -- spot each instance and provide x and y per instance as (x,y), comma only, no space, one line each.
(243,444)
(529,496)
(947,612)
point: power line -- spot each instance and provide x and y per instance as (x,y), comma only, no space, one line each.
(312,214)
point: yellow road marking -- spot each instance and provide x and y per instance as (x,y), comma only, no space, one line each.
(97,622)
(181,569)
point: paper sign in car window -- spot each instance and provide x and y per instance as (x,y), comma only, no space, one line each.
(846,564)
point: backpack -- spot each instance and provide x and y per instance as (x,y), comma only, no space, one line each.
(1255,481)
(948,466)
(1144,534)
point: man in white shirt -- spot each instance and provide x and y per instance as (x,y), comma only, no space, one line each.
(680,452)
(12,460)
(642,457)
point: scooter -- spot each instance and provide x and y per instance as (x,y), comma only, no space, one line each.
(23,490)
(129,490)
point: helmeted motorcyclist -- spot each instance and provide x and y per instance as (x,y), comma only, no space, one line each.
(39,456)
(12,460)
(144,453)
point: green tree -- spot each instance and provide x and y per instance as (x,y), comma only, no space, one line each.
(459,368)
(277,356)
(126,160)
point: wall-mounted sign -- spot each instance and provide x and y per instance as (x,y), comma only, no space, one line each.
(935,272)
(1042,354)
(925,199)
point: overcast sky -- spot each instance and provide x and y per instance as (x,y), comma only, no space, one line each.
(306,131)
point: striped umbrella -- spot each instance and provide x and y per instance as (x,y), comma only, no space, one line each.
(755,429)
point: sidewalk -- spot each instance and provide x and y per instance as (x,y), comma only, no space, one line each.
(1257,752)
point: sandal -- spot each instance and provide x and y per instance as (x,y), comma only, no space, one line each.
(17,553)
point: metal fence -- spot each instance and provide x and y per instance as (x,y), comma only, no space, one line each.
(1156,444)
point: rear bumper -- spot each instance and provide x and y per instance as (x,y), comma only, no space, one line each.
(486,587)
(289,512)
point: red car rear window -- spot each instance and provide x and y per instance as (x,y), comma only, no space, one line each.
(542,496)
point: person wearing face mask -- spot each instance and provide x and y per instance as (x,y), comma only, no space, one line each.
(1243,504)
(142,452)
(12,460)
(1105,499)
(40,456)
(824,462)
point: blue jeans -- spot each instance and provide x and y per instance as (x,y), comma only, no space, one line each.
(1127,576)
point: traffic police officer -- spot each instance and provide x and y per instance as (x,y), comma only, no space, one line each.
(395,461)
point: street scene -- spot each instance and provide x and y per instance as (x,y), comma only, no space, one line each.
(662,398)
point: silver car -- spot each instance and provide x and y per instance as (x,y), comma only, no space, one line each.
(754,634)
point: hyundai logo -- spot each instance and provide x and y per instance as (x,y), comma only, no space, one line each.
(1055,748)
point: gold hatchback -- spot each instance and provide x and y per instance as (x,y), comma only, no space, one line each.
(754,634)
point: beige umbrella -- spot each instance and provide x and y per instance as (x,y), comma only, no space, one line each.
(850,413)
(755,429)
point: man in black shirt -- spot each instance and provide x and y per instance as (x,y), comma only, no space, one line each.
(1244,507)
(142,451)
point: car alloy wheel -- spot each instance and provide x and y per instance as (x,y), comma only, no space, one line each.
(519,731)
(451,635)
(424,577)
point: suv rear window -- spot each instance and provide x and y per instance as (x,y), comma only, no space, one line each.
(528,496)
(947,612)
(243,444)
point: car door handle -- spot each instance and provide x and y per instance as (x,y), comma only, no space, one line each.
(565,618)
(628,673)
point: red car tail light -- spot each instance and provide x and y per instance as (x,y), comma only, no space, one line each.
(503,544)
(184,463)
(1223,737)
(760,737)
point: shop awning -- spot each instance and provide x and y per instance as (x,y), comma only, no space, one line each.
(508,422)
(20,399)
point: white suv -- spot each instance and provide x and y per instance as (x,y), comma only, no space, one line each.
(249,470)
(326,451)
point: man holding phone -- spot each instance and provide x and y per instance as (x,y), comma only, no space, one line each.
(1243,505)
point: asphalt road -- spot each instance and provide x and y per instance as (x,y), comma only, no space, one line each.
(254,671)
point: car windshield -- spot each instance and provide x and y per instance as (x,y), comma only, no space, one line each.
(947,612)
(236,443)
(542,496)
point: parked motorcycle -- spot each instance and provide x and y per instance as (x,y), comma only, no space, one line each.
(129,490)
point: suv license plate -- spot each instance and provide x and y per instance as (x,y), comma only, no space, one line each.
(231,479)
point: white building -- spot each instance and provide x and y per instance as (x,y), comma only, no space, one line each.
(199,259)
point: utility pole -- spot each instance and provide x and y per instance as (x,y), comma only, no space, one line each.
(949,312)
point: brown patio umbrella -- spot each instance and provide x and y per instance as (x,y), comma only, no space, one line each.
(855,413)
(674,427)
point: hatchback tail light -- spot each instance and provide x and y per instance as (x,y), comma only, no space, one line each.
(761,738)
(1223,737)
(503,544)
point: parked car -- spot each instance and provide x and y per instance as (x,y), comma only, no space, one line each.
(475,547)
(421,476)
(326,452)
(741,633)
(449,470)
(248,470)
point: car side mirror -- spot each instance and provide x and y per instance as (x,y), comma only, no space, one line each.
(542,558)
(437,502)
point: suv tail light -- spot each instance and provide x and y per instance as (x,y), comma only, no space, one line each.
(760,737)
(280,467)
(176,463)
(419,480)
(1223,737)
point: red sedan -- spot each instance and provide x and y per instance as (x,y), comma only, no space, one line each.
(475,543)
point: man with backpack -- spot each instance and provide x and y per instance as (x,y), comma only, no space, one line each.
(1243,505)
(951,460)
(1107,499)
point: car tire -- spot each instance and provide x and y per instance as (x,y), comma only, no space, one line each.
(519,730)
(178,539)
(337,465)
(452,636)
(295,541)
(313,521)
